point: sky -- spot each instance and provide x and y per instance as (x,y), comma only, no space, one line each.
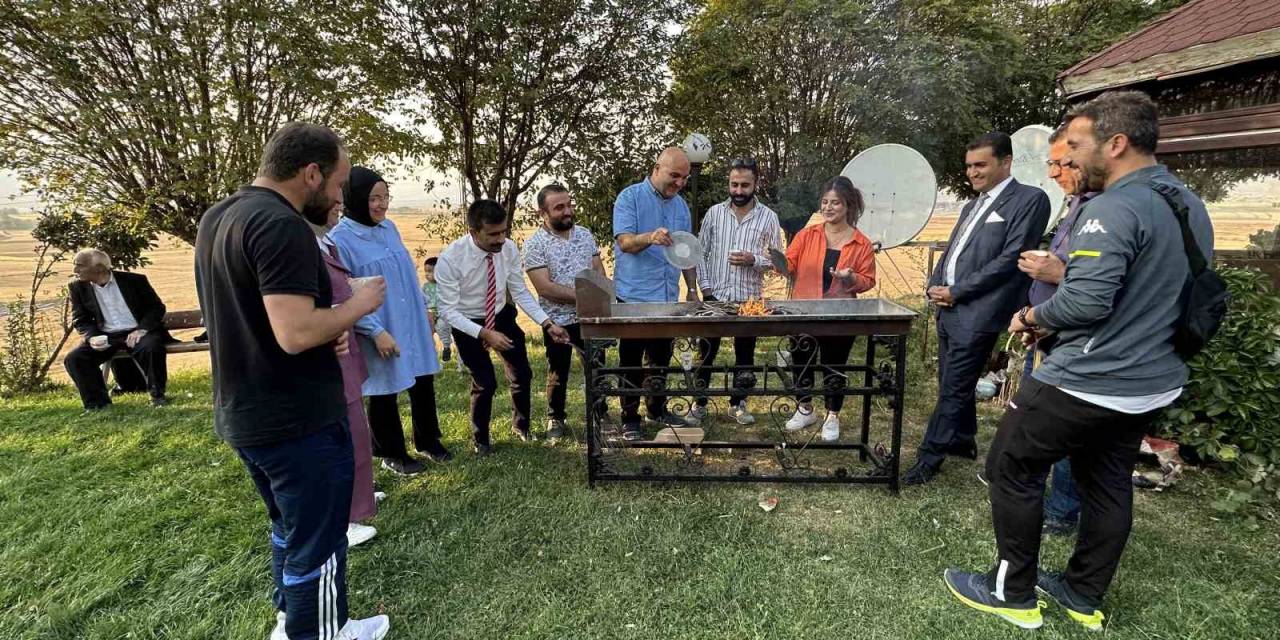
(407,188)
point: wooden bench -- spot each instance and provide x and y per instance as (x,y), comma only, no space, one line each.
(179,321)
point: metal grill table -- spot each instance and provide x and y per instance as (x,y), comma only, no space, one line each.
(767,452)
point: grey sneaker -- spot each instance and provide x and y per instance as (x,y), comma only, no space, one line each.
(672,420)
(555,429)
(974,591)
(1052,586)
(739,412)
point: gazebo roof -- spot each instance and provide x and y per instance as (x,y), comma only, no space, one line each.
(1198,36)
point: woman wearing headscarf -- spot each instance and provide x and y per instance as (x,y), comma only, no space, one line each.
(354,373)
(830,260)
(396,339)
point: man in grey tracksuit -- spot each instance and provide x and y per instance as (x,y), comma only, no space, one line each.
(1111,371)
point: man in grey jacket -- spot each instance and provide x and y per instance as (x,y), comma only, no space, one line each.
(1111,371)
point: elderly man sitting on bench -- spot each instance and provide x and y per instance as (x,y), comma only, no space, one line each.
(114,311)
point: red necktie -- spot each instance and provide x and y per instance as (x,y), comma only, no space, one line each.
(491,295)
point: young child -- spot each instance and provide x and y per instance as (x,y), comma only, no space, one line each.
(433,299)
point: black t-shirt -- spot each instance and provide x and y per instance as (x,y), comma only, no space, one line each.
(249,245)
(829,262)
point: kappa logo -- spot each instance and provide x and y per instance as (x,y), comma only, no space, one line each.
(1091,226)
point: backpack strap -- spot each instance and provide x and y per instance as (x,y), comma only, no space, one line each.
(1173,197)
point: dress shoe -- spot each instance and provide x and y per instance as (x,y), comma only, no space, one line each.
(483,450)
(436,452)
(919,473)
(159,401)
(969,450)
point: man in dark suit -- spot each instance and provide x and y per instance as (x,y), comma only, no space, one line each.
(114,311)
(977,287)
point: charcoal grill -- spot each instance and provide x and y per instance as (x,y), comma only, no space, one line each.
(765,452)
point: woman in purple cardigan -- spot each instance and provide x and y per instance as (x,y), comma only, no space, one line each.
(354,373)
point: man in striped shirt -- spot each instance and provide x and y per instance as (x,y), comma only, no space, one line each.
(736,236)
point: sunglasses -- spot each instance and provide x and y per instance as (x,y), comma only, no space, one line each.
(744,163)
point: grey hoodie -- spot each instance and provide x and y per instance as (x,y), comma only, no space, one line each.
(1115,310)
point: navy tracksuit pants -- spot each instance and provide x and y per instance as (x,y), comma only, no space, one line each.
(306,485)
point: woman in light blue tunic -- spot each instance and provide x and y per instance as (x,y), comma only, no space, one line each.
(396,338)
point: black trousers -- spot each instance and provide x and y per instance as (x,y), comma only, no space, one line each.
(808,356)
(484,382)
(559,364)
(1042,426)
(962,356)
(384,420)
(84,361)
(744,354)
(647,352)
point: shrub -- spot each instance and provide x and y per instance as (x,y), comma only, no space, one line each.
(1230,408)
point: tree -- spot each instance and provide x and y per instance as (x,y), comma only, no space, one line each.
(806,85)
(514,87)
(156,109)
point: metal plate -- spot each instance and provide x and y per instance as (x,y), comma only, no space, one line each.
(1030,165)
(899,188)
(685,251)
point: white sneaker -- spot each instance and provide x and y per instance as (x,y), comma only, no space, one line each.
(804,417)
(739,412)
(831,427)
(696,415)
(359,533)
(374,628)
(379,496)
(278,632)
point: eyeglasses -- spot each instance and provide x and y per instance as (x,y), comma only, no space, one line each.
(744,163)
(379,199)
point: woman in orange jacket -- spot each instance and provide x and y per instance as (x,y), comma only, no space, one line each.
(829,260)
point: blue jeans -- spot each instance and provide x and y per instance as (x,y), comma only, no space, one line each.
(306,485)
(1063,503)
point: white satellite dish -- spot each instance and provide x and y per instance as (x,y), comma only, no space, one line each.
(1030,165)
(899,189)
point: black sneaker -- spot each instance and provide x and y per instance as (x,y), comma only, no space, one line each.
(446,354)
(974,590)
(1078,608)
(159,401)
(482,450)
(403,467)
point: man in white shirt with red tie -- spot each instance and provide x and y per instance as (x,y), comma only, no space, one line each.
(473,276)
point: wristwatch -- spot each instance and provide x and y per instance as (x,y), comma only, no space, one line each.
(1022,317)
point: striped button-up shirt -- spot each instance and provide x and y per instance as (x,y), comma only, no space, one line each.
(722,233)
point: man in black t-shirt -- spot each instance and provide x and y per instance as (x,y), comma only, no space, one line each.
(277,387)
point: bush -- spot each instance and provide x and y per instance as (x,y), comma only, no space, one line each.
(24,361)
(1230,408)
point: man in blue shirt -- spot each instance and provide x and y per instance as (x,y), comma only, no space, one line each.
(644,215)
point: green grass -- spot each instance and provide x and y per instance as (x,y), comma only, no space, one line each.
(138,523)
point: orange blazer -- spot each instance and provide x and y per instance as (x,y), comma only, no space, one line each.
(805,256)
